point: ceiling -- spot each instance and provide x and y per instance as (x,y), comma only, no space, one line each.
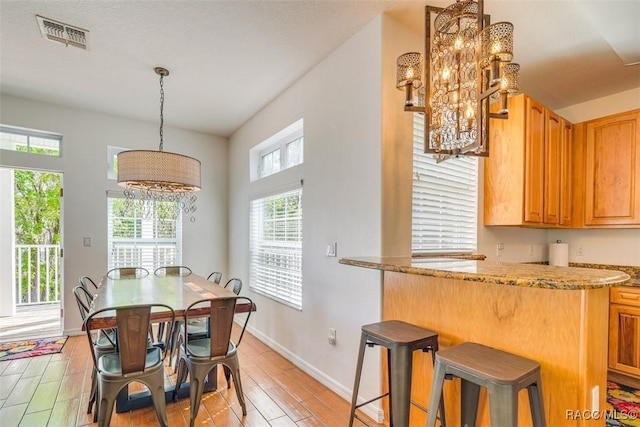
(229,59)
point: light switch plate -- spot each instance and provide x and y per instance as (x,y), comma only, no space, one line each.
(332,249)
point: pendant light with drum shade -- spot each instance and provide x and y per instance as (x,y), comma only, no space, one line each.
(160,176)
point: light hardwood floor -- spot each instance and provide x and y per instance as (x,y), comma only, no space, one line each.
(54,390)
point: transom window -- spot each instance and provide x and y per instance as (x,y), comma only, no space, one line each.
(279,152)
(112,161)
(270,163)
(30,141)
(445,198)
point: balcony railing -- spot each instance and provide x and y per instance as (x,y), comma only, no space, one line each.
(148,254)
(37,274)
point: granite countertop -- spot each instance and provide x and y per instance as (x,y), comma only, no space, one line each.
(502,273)
(633,271)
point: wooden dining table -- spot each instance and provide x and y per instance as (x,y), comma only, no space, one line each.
(178,292)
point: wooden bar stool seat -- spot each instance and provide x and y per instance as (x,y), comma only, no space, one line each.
(400,339)
(503,374)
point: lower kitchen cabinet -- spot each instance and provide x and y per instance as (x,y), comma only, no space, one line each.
(624,331)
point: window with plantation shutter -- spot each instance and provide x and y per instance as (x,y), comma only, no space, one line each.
(275,247)
(444,200)
(143,234)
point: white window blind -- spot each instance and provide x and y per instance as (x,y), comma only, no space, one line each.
(143,234)
(275,246)
(445,198)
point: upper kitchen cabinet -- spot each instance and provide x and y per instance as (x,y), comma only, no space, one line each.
(528,171)
(607,162)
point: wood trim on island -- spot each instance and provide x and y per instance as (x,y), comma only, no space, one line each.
(564,329)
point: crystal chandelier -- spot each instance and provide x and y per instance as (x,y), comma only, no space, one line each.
(469,65)
(160,176)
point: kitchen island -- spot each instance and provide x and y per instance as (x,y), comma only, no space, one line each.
(557,316)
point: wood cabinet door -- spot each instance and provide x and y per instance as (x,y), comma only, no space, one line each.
(566,174)
(612,170)
(624,339)
(534,162)
(504,168)
(552,167)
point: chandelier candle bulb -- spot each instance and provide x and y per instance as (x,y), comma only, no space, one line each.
(469,114)
(445,75)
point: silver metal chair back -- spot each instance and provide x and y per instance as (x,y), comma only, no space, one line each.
(215,277)
(234,285)
(127,273)
(172,270)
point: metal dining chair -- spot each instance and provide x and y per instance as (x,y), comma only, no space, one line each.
(199,356)
(172,270)
(198,328)
(234,285)
(215,277)
(103,341)
(85,281)
(134,361)
(127,273)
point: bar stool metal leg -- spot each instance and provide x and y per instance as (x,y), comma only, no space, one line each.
(470,395)
(503,405)
(535,401)
(400,385)
(356,385)
(436,392)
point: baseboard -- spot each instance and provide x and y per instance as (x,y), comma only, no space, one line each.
(624,379)
(373,411)
(73,332)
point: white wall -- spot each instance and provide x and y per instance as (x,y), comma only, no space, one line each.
(339,101)
(86,136)
(612,104)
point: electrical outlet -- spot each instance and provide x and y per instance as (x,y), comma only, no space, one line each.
(86,242)
(579,250)
(332,336)
(499,249)
(595,399)
(531,250)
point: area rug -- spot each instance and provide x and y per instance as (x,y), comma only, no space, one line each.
(29,348)
(623,406)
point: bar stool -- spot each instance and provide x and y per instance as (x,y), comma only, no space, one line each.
(401,339)
(503,374)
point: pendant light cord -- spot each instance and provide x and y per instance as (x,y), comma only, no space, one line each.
(161,111)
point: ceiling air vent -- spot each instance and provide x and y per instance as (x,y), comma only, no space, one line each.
(63,33)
